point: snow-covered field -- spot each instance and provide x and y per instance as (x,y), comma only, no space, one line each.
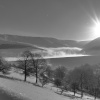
(35,92)
(30,91)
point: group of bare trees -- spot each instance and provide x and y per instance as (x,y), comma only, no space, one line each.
(82,79)
(31,64)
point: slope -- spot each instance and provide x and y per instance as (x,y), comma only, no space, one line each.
(39,41)
(30,91)
(93,47)
(44,41)
(73,43)
(5,44)
(11,48)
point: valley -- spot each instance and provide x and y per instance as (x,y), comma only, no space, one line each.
(67,53)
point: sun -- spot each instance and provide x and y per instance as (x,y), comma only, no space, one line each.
(96,27)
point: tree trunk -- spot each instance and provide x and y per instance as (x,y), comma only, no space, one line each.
(95,94)
(25,78)
(62,91)
(74,92)
(81,93)
(81,86)
(25,73)
(36,75)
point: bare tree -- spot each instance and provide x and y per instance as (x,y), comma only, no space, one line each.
(74,87)
(46,75)
(82,76)
(43,78)
(38,63)
(60,72)
(95,85)
(23,63)
(59,78)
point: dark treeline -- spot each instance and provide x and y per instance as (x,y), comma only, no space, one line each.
(83,79)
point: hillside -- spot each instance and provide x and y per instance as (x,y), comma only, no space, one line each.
(43,41)
(12,48)
(74,43)
(30,91)
(93,47)
(35,92)
(7,44)
(13,45)
(39,41)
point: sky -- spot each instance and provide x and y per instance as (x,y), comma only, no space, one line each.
(62,19)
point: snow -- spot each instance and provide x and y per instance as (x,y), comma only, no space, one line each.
(30,91)
(49,92)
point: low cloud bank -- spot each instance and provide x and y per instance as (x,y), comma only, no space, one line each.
(55,53)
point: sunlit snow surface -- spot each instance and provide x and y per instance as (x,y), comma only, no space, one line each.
(6,94)
(20,88)
(32,92)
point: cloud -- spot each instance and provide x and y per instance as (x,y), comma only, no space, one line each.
(60,52)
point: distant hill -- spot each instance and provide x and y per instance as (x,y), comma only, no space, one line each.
(93,47)
(52,46)
(12,49)
(5,44)
(43,41)
(73,43)
(39,41)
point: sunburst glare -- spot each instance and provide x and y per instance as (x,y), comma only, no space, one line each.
(96,27)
